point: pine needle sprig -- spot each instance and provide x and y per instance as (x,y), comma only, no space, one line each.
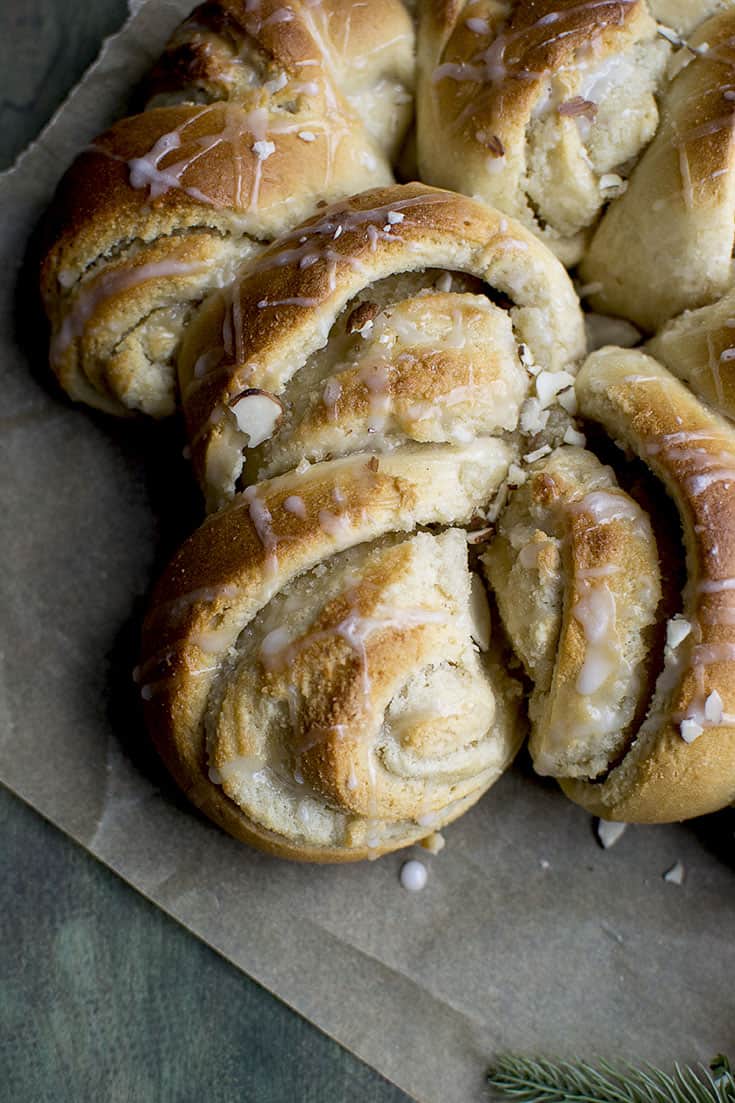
(541,1080)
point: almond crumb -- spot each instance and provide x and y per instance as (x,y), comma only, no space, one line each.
(675,875)
(578,106)
(434,842)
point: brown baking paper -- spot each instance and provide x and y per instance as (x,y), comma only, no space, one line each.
(527,936)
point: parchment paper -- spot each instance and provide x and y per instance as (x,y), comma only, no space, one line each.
(527,935)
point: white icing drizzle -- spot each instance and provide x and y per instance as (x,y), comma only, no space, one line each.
(595,608)
(295,505)
(595,611)
(102,289)
(262,520)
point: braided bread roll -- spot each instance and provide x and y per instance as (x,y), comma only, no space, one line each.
(537,106)
(635,731)
(319,676)
(259,112)
(667,244)
(352,333)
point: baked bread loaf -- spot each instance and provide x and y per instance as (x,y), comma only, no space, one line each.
(537,106)
(319,670)
(666,245)
(351,333)
(635,732)
(257,112)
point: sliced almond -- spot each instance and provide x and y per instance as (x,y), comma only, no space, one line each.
(361,316)
(258,414)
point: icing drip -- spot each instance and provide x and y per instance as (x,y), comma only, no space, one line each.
(595,612)
(262,520)
(101,290)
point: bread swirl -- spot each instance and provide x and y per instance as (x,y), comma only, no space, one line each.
(537,106)
(313,675)
(575,571)
(667,244)
(352,354)
(260,111)
(670,753)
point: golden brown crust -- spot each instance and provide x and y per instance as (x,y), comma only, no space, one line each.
(663,777)
(667,244)
(507,105)
(277,97)
(233,566)
(282,308)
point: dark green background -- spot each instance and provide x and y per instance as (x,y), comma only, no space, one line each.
(102,997)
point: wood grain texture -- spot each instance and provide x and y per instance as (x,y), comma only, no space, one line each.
(102,996)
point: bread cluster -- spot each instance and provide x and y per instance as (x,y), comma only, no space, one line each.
(448,506)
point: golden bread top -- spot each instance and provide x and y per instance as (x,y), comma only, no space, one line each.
(539,105)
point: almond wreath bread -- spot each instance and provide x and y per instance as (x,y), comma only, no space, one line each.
(258,112)
(411,539)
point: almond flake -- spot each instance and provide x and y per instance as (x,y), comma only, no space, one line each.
(568,401)
(538,454)
(675,875)
(548,385)
(263,149)
(578,106)
(690,730)
(713,708)
(677,631)
(573,437)
(608,832)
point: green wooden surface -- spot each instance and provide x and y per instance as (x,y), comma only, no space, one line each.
(102,996)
